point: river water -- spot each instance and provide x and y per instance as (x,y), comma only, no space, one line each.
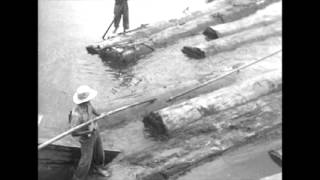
(65,28)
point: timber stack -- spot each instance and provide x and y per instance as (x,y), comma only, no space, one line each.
(143,41)
(174,117)
(261,25)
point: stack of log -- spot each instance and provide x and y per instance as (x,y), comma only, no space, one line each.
(203,140)
(202,128)
(175,117)
(139,43)
(228,36)
(262,17)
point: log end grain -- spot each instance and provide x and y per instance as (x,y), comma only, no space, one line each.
(92,50)
(210,34)
(193,52)
(154,126)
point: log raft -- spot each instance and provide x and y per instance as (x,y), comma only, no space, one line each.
(262,17)
(138,44)
(203,140)
(168,120)
(233,41)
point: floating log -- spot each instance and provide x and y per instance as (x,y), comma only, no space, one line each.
(276,156)
(273,177)
(169,119)
(203,141)
(59,162)
(136,45)
(233,41)
(265,16)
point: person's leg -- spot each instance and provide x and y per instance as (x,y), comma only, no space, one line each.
(125,19)
(85,160)
(98,157)
(98,152)
(117,17)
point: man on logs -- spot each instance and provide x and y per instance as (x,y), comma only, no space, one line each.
(89,137)
(121,9)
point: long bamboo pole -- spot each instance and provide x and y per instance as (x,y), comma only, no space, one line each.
(60,136)
(222,76)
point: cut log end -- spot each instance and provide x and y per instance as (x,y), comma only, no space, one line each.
(154,125)
(210,34)
(92,50)
(193,52)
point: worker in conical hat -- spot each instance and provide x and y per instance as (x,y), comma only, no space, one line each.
(92,153)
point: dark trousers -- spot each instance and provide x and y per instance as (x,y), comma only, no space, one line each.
(121,10)
(92,154)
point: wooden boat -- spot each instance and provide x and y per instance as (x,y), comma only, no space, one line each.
(58,162)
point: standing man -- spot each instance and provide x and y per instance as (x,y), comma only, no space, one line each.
(92,153)
(121,9)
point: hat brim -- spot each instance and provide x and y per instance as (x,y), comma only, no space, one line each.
(92,94)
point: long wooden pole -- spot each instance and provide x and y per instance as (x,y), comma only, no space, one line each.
(60,136)
(222,76)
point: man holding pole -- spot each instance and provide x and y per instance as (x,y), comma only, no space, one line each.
(121,9)
(92,153)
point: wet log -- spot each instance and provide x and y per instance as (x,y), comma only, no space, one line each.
(276,156)
(172,118)
(59,162)
(136,45)
(273,177)
(204,140)
(265,16)
(233,41)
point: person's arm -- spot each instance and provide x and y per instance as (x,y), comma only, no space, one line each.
(80,133)
(75,122)
(94,111)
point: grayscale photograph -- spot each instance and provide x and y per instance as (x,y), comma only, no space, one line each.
(159,89)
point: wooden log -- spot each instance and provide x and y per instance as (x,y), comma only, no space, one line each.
(233,41)
(273,177)
(276,156)
(204,140)
(59,162)
(140,43)
(169,119)
(218,8)
(268,15)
